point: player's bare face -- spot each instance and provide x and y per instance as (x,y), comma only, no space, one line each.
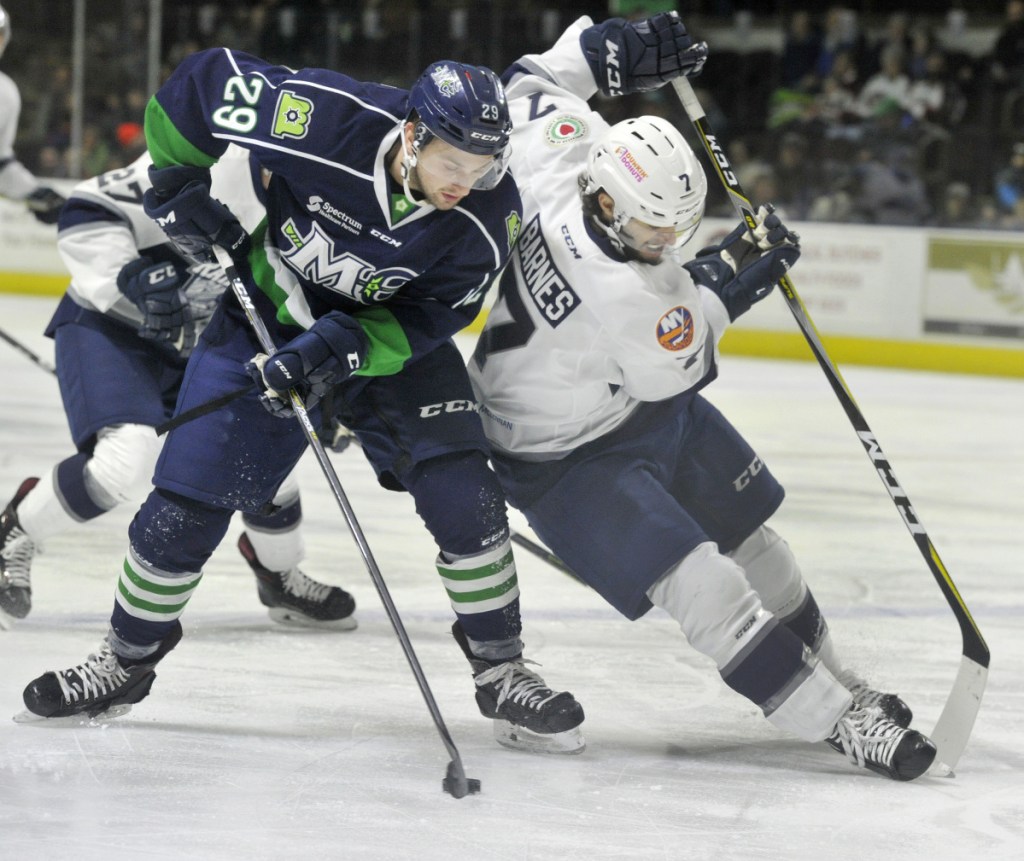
(445,175)
(650,243)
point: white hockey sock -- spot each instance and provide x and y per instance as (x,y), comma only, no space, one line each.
(278,550)
(42,513)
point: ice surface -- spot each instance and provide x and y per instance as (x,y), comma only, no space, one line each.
(263,742)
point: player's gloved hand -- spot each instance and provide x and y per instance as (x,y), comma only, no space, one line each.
(180,203)
(327,353)
(45,204)
(746,265)
(635,56)
(157,290)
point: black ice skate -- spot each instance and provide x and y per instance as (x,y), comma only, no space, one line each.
(292,598)
(16,552)
(104,686)
(867,697)
(527,714)
(870,740)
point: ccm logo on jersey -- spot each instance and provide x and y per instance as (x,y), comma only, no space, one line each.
(675,329)
(550,292)
(431,410)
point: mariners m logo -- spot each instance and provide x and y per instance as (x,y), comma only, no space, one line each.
(314,258)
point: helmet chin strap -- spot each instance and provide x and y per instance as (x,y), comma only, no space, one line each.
(409,161)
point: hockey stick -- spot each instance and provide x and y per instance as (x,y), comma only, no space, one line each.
(455,781)
(958,715)
(21,348)
(545,554)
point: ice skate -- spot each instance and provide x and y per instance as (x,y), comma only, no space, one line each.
(103,686)
(16,552)
(527,714)
(867,697)
(292,598)
(870,740)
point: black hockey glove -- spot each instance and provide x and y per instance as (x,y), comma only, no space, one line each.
(180,203)
(45,204)
(636,56)
(157,290)
(328,353)
(746,266)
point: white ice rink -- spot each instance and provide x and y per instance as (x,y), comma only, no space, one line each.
(260,742)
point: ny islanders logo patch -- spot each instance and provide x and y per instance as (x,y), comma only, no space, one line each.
(675,329)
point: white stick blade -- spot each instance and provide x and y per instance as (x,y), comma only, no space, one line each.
(957,719)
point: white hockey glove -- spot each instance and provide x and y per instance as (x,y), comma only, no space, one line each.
(747,265)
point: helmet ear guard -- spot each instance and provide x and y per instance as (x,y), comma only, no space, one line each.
(648,169)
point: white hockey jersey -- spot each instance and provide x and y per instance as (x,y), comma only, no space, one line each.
(96,240)
(15,180)
(577,338)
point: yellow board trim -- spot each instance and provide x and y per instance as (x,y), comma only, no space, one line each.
(946,358)
(33,283)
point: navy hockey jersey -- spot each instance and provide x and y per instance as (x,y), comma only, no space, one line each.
(338,233)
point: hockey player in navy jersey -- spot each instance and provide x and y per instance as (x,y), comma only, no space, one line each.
(123,332)
(385,216)
(588,373)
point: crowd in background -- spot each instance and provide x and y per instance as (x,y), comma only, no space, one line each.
(852,113)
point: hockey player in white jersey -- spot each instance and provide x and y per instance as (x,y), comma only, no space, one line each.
(16,181)
(588,373)
(123,332)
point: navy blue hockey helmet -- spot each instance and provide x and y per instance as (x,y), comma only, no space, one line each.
(462,105)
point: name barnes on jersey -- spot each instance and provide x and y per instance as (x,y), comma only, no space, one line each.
(550,292)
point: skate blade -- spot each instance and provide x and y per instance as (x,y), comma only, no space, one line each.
(79,720)
(514,737)
(293,619)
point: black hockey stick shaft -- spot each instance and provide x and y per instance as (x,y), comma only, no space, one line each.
(543,553)
(21,348)
(975,650)
(201,410)
(455,782)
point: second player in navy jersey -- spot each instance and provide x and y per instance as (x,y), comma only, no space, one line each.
(384,217)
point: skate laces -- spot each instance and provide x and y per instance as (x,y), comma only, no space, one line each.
(101,673)
(865,734)
(304,587)
(518,684)
(17,554)
(863,694)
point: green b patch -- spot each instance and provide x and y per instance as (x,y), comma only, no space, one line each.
(291,119)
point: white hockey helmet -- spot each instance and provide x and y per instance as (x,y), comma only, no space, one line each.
(5,30)
(647,167)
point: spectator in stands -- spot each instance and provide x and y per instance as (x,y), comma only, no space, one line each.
(890,83)
(957,206)
(935,97)
(1009,182)
(800,53)
(889,189)
(1008,53)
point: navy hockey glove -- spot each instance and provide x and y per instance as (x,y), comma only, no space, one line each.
(45,204)
(157,290)
(636,56)
(328,353)
(180,203)
(745,266)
